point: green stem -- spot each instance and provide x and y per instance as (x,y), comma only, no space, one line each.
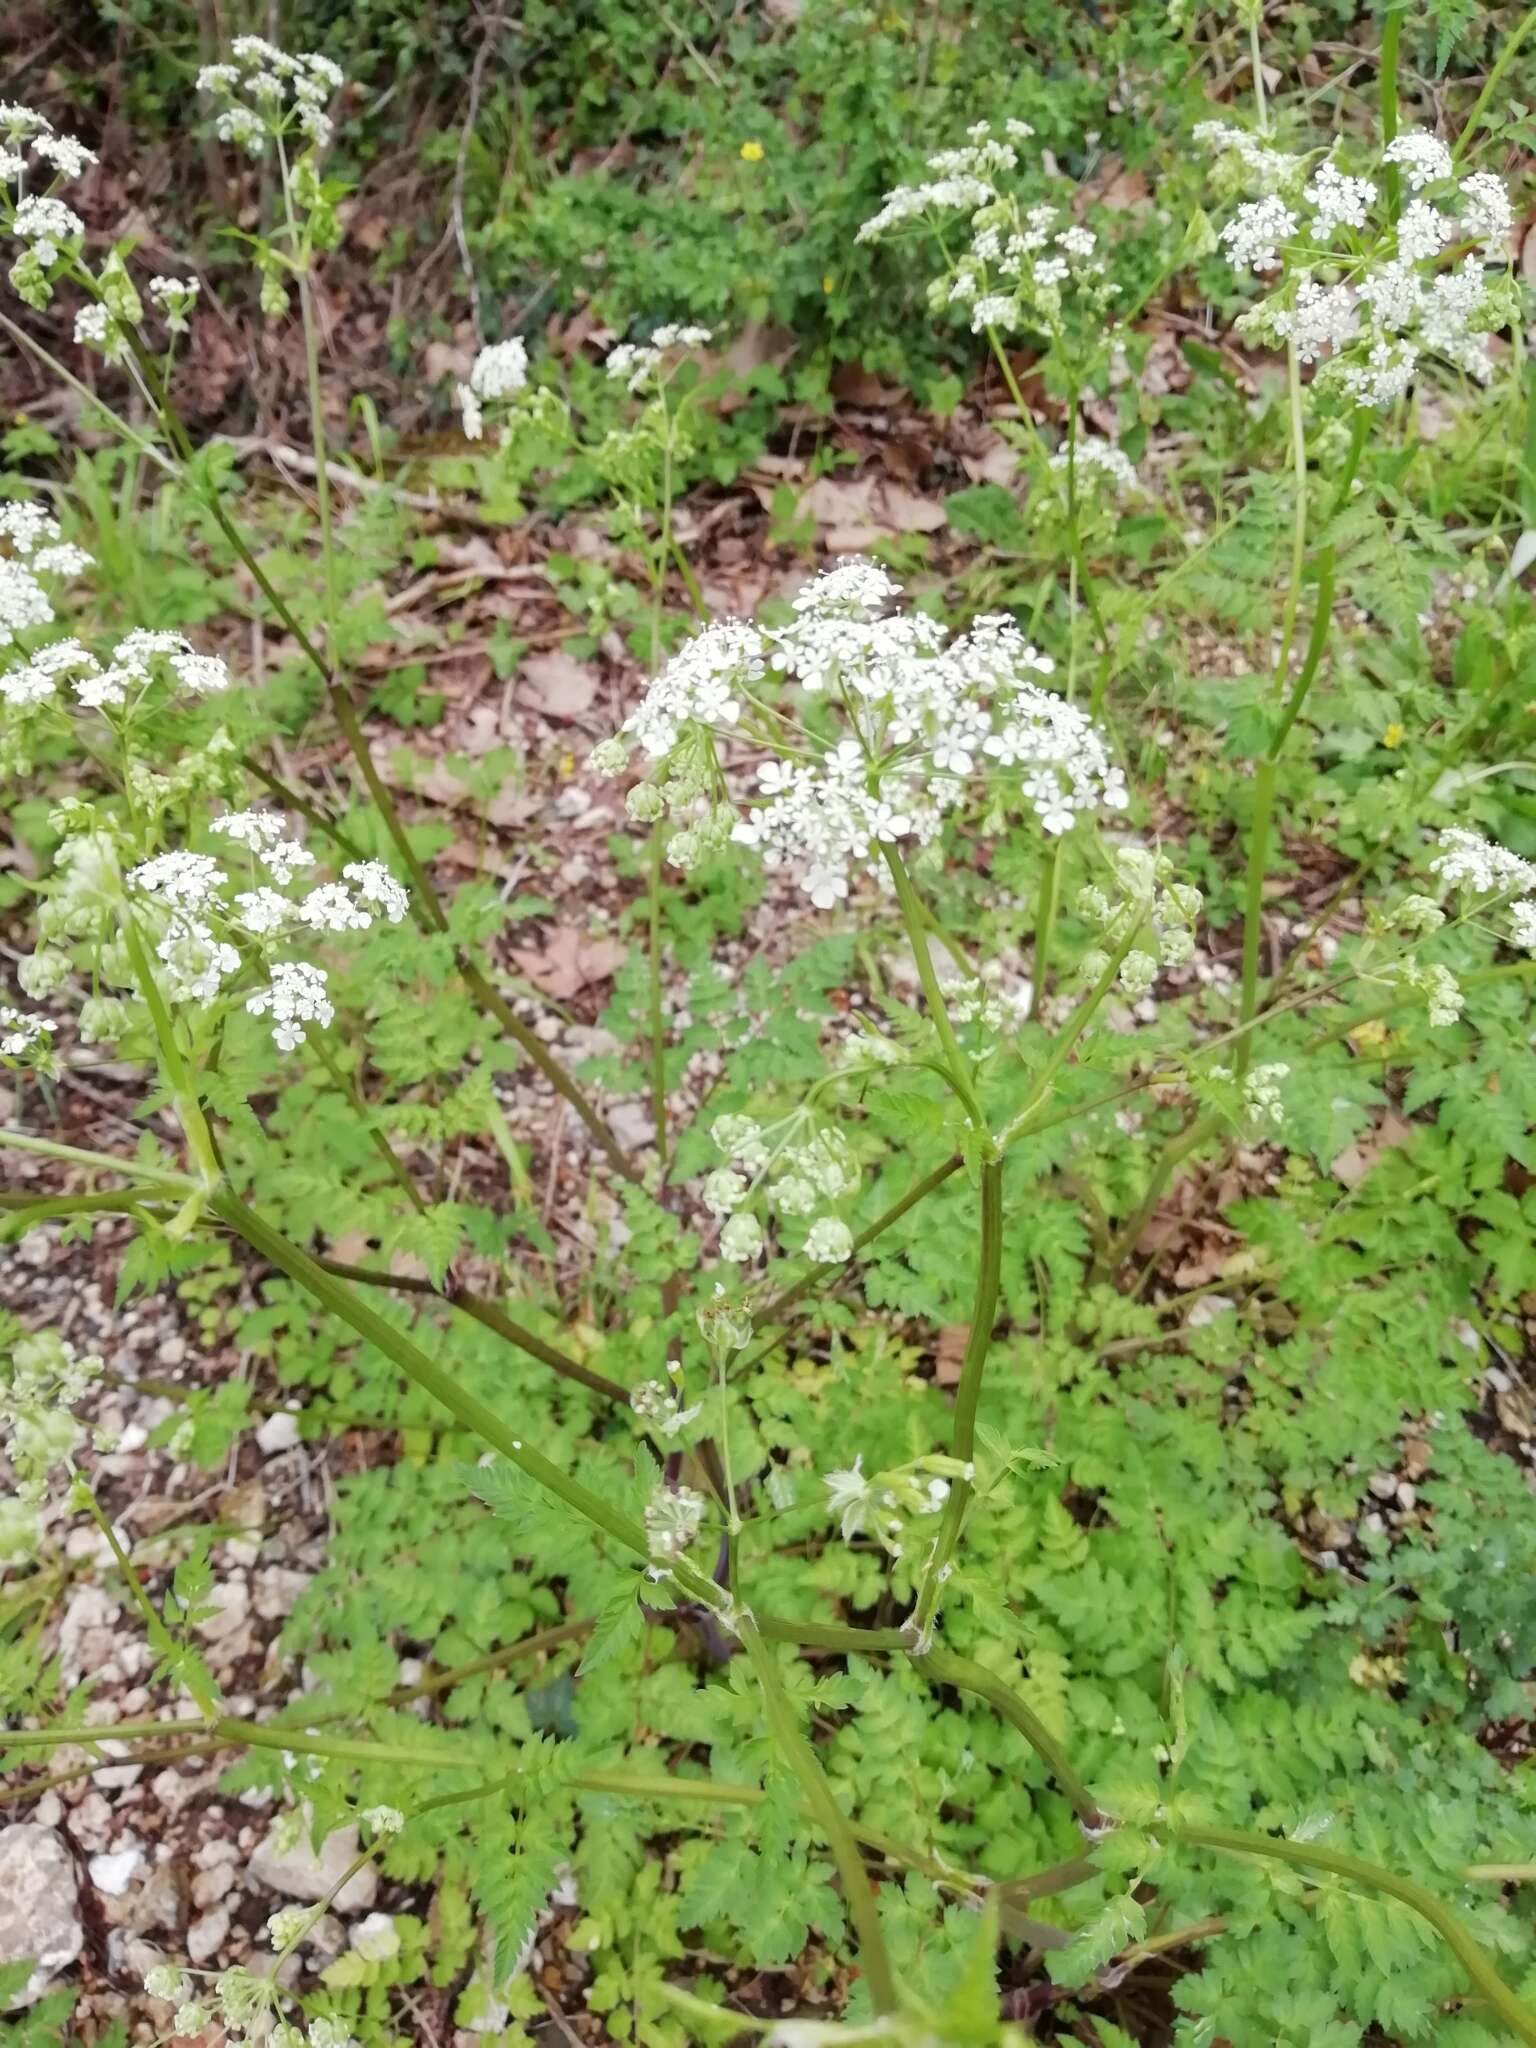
(1492,83)
(967,1400)
(98,1162)
(1264,803)
(1045,924)
(347,1085)
(189,1109)
(1322,622)
(657,1011)
(490,1315)
(1386,85)
(322,453)
(960,1672)
(1257,62)
(959,1067)
(1464,1945)
(482,1421)
(797,1752)
(154,1623)
(1173,1154)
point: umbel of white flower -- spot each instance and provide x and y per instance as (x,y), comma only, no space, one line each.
(1363,294)
(264,93)
(1023,260)
(205,920)
(874,725)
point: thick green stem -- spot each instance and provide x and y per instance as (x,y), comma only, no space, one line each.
(797,1752)
(1464,1945)
(967,1399)
(966,1676)
(488,1313)
(1045,925)
(341,1301)
(958,1066)
(658,1020)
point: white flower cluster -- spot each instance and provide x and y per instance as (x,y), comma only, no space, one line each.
(1020,258)
(1468,861)
(661,1407)
(639,363)
(673,1517)
(1145,916)
(1360,293)
(1099,462)
(242,2003)
(46,226)
(36,549)
(794,1167)
(1259,1101)
(265,93)
(202,922)
(24,1036)
(913,717)
(137,662)
(42,1378)
(982,1000)
(498,371)
(885,1504)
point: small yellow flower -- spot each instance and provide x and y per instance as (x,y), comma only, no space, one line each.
(1393,736)
(829,286)
(752,152)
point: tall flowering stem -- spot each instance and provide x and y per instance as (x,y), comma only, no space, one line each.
(989,1259)
(1289,707)
(791,1742)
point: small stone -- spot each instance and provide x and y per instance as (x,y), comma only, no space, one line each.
(159,1902)
(205,1937)
(113,1871)
(277,1434)
(231,1604)
(277,1590)
(209,1886)
(39,1906)
(299,1873)
(1383,1485)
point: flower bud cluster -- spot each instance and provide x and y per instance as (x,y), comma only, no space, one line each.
(42,1379)
(1255,1103)
(1143,905)
(673,1517)
(661,1408)
(1362,292)
(794,1170)
(243,2004)
(875,725)
(885,1505)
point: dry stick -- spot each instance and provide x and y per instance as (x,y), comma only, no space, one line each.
(426,902)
